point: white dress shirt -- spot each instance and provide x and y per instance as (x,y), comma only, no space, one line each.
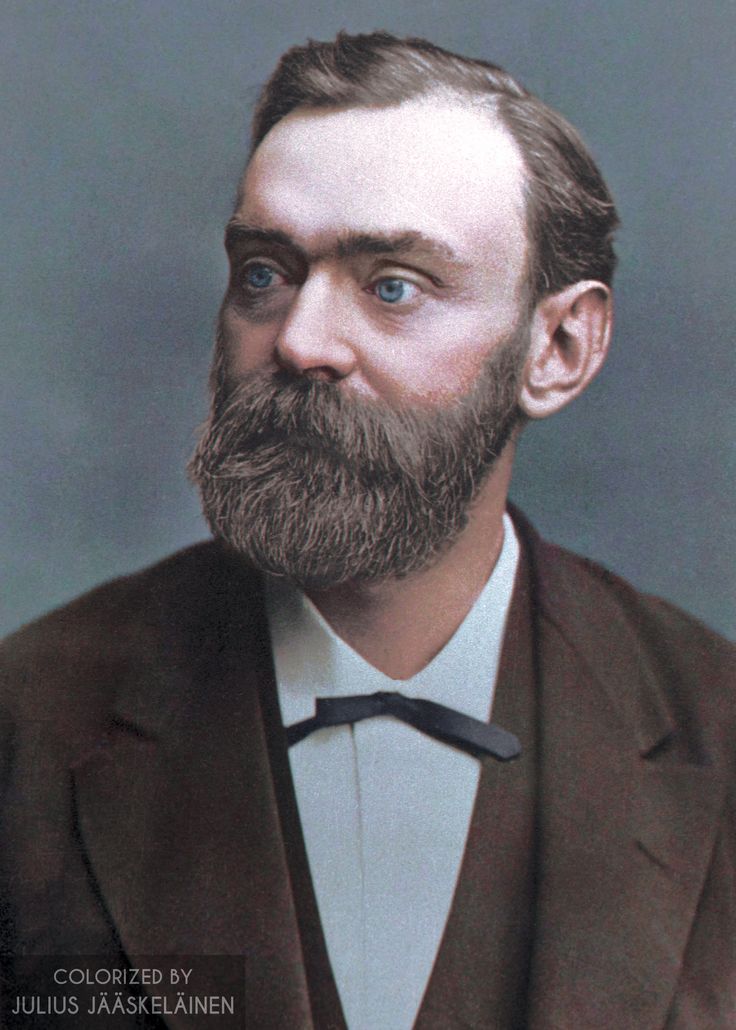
(385,809)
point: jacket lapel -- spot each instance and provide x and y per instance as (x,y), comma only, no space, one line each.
(481,970)
(178,809)
(627,816)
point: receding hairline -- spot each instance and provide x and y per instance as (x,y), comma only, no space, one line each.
(441,95)
(570,214)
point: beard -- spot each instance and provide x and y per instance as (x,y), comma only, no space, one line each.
(325,488)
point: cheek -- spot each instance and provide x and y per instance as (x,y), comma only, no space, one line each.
(247,345)
(435,362)
(435,381)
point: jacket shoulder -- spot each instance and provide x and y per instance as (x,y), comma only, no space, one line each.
(146,620)
(601,593)
(626,636)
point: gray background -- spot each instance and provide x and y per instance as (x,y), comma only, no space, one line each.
(124,129)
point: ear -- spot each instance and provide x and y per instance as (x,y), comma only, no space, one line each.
(570,334)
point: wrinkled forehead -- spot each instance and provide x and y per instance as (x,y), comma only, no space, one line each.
(446,169)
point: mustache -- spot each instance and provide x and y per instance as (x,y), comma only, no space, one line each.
(270,410)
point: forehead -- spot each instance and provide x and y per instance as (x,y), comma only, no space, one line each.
(443,169)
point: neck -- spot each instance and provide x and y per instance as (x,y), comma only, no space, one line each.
(399,625)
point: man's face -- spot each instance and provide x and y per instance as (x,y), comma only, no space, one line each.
(380,248)
(371,340)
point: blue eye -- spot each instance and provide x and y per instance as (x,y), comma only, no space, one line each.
(259,277)
(393,291)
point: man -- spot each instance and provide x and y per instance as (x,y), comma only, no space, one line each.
(421,262)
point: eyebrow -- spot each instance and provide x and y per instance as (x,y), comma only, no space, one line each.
(351,244)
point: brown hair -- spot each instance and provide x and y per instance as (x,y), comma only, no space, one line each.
(570,213)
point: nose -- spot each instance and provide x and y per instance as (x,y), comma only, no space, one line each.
(314,338)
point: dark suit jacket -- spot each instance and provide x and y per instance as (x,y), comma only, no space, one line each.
(140,744)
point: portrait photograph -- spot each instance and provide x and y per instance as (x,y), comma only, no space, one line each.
(368,515)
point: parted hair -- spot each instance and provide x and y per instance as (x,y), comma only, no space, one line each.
(570,214)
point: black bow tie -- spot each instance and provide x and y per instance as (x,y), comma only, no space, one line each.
(445,724)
